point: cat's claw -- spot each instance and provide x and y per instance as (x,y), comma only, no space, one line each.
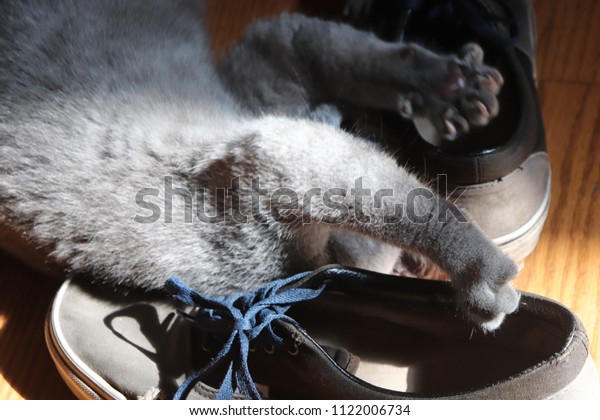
(472,53)
(405,107)
(454,123)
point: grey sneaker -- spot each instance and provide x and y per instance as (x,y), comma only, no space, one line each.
(500,173)
(331,334)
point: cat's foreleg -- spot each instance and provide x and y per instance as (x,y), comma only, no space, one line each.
(397,209)
(293,63)
(345,183)
(409,215)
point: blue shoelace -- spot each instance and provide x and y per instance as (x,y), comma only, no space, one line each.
(244,317)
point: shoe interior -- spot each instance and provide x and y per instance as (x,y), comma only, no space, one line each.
(443,35)
(428,348)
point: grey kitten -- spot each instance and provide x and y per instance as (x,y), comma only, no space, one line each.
(125,150)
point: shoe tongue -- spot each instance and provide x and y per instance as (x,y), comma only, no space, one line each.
(343,358)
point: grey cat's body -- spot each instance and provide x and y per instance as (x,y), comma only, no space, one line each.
(100,100)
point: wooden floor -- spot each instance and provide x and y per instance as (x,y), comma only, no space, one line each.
(565,266)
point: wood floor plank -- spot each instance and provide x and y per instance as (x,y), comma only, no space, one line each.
(227,22)
(568,40)
(26,370)
(566,264)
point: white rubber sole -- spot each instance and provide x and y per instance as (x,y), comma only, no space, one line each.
(79,377)
(520,244)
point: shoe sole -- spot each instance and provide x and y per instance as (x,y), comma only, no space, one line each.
(79,377)
(520,244)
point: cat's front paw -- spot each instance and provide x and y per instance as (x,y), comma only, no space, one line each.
(486,295)
(453,92)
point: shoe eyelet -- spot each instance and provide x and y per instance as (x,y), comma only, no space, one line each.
(252,348)
(270,349)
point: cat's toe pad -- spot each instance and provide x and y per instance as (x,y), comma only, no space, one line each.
(458,92)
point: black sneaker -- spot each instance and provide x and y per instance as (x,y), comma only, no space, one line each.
(499,174)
